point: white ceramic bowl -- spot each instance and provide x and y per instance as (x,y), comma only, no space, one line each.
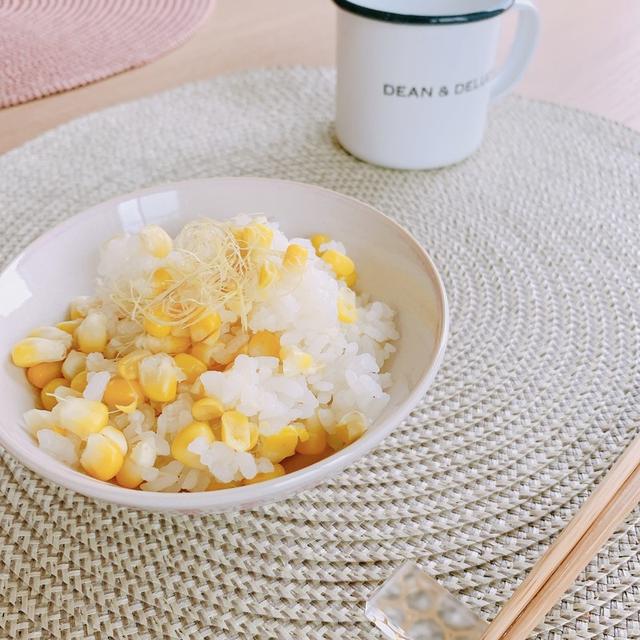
(36,287)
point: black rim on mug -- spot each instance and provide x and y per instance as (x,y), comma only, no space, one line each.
(494,9)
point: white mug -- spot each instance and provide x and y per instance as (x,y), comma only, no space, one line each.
(415,77)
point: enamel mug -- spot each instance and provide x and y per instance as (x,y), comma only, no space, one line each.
(415,77)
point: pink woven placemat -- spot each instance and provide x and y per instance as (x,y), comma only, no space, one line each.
(48,46)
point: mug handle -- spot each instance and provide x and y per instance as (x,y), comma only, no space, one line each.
(524,44)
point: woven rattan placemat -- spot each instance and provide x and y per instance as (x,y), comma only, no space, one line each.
(537,237)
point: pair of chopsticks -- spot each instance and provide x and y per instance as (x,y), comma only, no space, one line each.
(611,502)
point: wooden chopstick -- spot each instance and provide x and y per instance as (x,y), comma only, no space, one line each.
(565,575)
(546,566)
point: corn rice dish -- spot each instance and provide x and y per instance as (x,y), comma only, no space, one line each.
(225,356)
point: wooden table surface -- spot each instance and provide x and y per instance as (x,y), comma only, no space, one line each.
(588,57)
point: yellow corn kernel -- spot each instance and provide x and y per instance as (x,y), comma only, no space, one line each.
(280,445)
(207,409)
(202,352)
(92,335)
(41,374)
(161,279)
(205,326)
(230,360)
(197,390)
(351,279)
(317,439)
(269,273)
(278,470)
(46,395)
(142,455)
(121,392)
(180,332)
(69,326)
(156,241)
(264,343)
(237,430)
(167,344)
(318,240)
(240,234)
(156,324)
(128,409)
(180,444)
(351,427)
(101,458)
(295,360)
(212,338)
(158,377)
(81,416)
(303,432)
(74,363)
(295,257)
(79,307)
(32,351)
(117,437)
(52,333)
(347,311)
(190,365)
(64,392)
(79,381)
(127,367)
(342,265)
(263,235)
(255,235)
(129,476)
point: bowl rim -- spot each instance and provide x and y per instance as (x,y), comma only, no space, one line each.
(251,495)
